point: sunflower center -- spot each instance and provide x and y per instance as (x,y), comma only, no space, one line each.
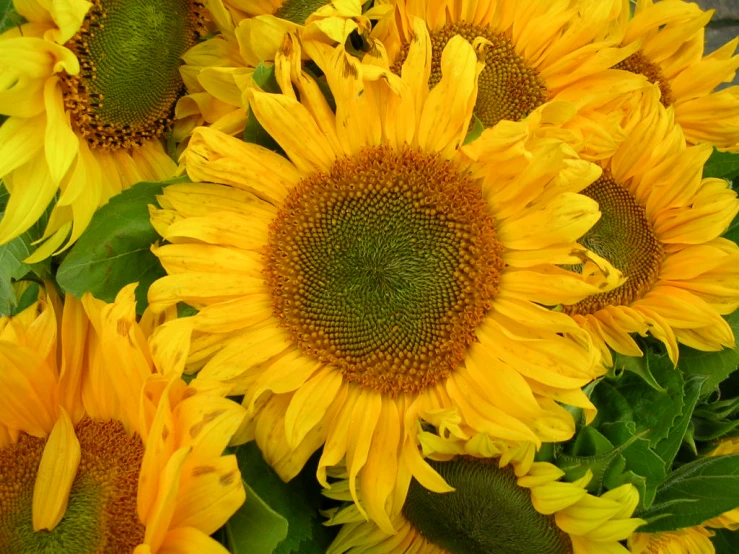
(101,515)
(625,237)
(298,11)
(508,88)
(640,64)
(384,266)
(488,513)
(129,52)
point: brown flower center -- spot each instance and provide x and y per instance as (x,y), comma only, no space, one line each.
(101,516)
(384,267)
(129,80)
(508,88)
(640,64)
(625,237)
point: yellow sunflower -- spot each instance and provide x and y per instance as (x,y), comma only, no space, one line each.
(382,272)
(90,89)
(661,227)
(535,52)
(218,71)
(670,37)
(503,502)
(103,448)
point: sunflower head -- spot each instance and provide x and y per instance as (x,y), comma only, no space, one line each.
(500,504)
(94,460)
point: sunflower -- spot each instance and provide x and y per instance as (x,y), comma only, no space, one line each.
(670,37)
(218,71)
(503,502)
(103,448)
(90,90)
(381,272)
(661,227)
(535,52)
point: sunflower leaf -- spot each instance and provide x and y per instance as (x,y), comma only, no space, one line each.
(726,541)
(645,406)
(297,502)
(693,494)
(668,447)
(255,528)
(115,249)
(722,164)
(8,16)
(638,366)
(714,366)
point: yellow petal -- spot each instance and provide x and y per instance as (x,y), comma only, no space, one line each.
(186,540)
(159,517)
(211,490)
(56,473)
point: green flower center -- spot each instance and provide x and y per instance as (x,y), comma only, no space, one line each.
(625,237)
(638,63)
(298,11)
(488,513)
(129,52)
(384,267)
(101,515)
(508,88)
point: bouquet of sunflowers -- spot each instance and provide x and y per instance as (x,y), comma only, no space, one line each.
(392,277)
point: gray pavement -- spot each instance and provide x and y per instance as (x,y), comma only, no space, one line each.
(723,27)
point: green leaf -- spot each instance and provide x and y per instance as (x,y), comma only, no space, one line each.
(639,456)
(475,131)
(668,447)
(722,164)
(255,528)
(726,541)
(9,17)
(592,451)
(114,250)
(693,494)
(638,366)
(714,366)
(254,132)
(647,407)
(297,501)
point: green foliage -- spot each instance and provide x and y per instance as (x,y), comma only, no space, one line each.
(695,493)
(722,164)
(726,542)
(287,512)
(115,249)
(9,17)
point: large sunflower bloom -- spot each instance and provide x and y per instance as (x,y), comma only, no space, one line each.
(90,89)
(219,71)
(103,448)
(690,540)
(661,227)
(670,36)
(380,272)
(503,502)
(535,52)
